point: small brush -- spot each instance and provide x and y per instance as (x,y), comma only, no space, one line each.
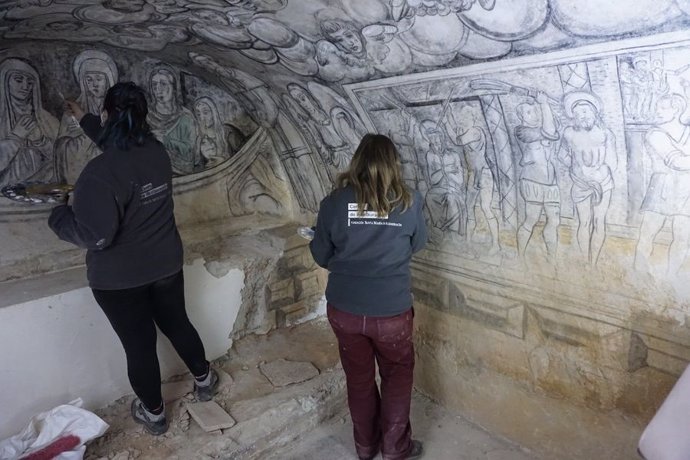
(62,96)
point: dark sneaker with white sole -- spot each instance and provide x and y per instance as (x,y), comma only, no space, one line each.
(206,392)
(154,424)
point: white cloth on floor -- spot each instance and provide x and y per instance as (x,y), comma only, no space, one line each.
(48,427)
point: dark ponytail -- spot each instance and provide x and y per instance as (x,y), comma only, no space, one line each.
(125,104)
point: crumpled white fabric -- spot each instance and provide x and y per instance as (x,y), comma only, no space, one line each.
(47,427)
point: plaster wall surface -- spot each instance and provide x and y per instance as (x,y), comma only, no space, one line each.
(60,347)
(549,140)
(573,290)
(224,164)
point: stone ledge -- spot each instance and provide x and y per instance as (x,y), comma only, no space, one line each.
(222,245)
(20,291)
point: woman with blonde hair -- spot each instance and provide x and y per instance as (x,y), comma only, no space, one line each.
(366,232)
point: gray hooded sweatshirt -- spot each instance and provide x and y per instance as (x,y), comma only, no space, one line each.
(368,256)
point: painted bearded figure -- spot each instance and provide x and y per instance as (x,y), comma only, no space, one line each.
(27,132)
(95,72)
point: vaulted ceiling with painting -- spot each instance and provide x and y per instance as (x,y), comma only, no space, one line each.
(549,140)
(339,41)
(282,64)
(315,75)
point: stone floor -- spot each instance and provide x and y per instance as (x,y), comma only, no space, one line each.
(271,413)
(446,436)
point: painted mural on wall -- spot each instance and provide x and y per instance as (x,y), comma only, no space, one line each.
(556,189)
(344,40)
(306,51)
(95,72)
(307,172)
(27,130)
(200,125)
(332,128)
(542,164)
(556,186)
(520,162)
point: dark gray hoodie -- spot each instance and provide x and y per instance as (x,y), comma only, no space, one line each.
(122,213)
(368,257)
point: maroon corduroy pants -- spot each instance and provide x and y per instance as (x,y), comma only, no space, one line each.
(380,420)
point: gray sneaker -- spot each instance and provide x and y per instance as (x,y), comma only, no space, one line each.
(206,392)
(417,450)
(141,415)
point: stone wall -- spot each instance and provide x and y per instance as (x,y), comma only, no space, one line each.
(555,191)
(295,288)
(225,165)
(549,139)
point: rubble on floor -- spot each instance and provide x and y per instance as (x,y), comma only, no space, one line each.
(305,420)
(266,416)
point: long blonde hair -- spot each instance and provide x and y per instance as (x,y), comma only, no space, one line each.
(375,174)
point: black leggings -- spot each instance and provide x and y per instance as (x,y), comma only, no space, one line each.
(134,314)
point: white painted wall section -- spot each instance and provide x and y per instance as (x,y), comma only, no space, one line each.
(60,347)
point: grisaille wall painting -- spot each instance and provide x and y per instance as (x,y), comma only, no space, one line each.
(343,40)
(37,146)
(549,139)
(201,125)
(556,191)
(594,144)
(536,166)
(290,60)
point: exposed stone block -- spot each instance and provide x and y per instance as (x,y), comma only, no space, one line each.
(282,293)
(282,372)
(294,316)
(307,285)
(210,416)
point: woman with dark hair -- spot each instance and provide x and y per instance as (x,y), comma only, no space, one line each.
(122,213)
(366,232)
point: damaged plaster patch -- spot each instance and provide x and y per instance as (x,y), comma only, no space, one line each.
(213,304)
(256,254)
(283,286)
(236,251)
(219,269)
